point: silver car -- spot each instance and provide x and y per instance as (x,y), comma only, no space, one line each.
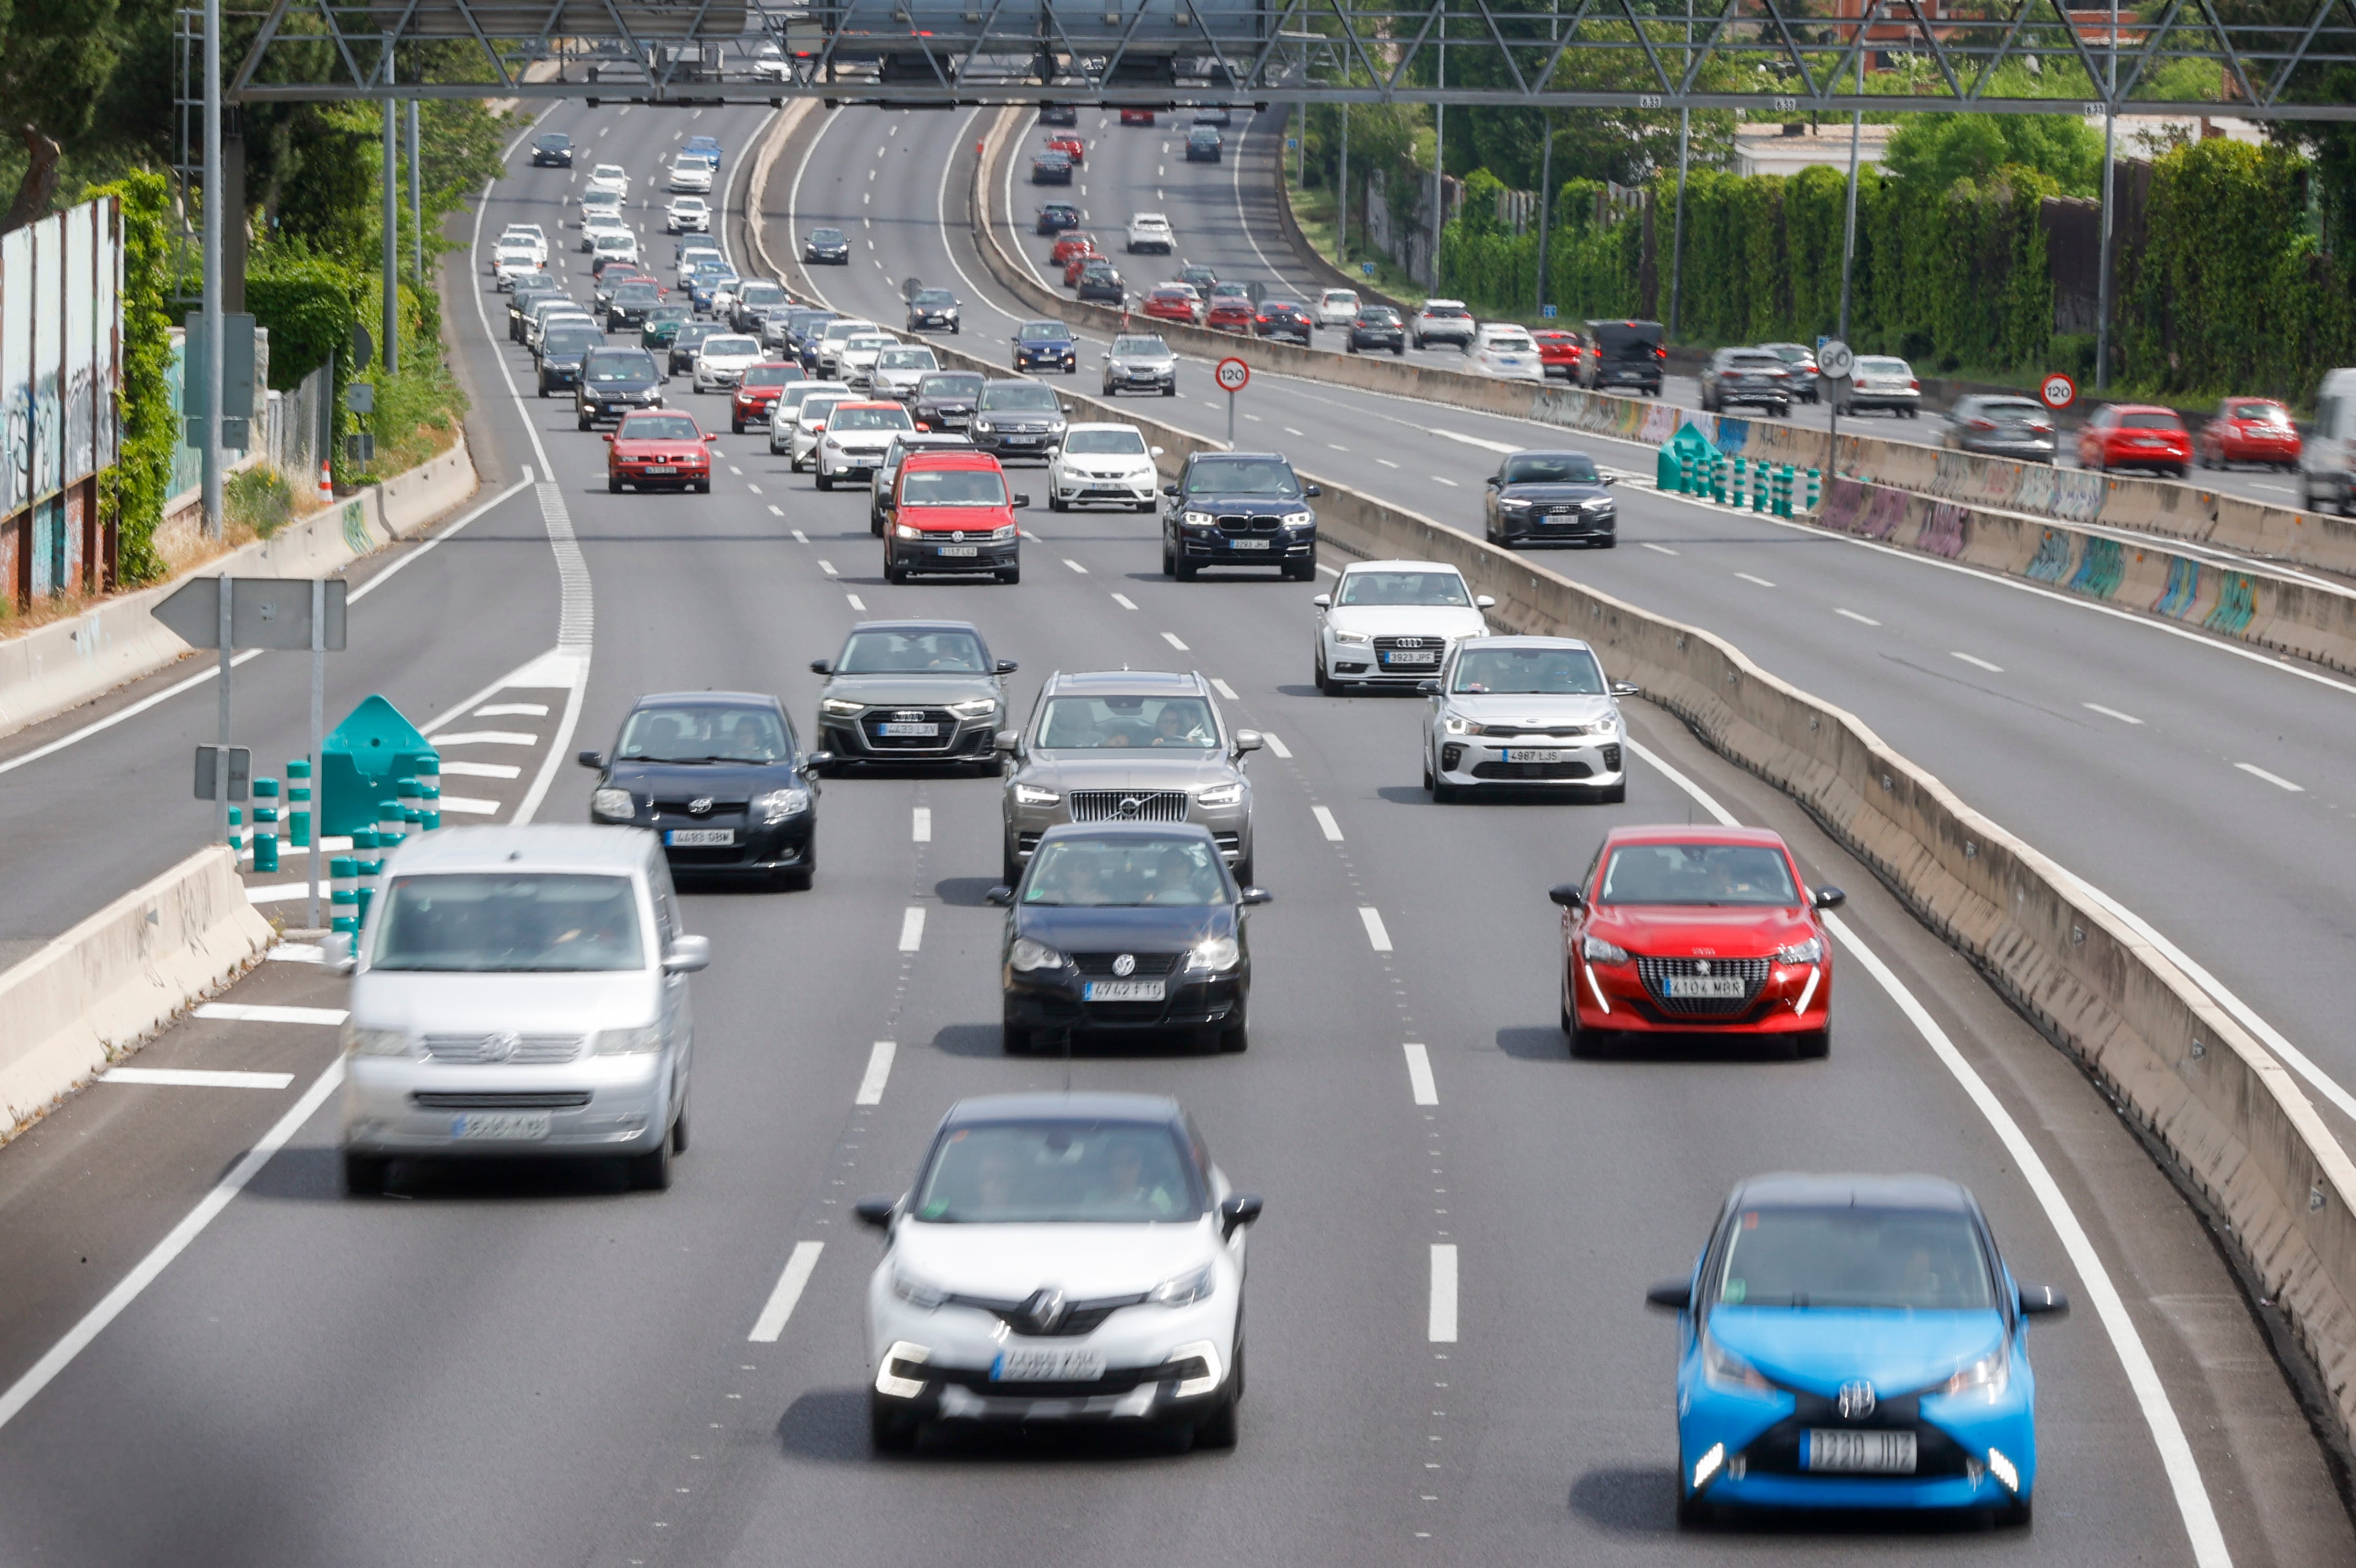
(1140,362)
(784,415)
(1130,747)
(907,691)
(898,370)
(519,991)
(1524,712)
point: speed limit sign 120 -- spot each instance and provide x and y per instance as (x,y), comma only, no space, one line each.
(1233,374)
(2059,391)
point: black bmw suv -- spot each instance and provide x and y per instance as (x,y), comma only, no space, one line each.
(720,777)
(1239,508)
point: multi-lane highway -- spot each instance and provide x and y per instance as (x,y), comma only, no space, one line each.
(532,1366)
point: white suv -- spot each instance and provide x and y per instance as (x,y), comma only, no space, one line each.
(608,180)
(691,174)
(1440,321)
(1528,712)
(1336,307)
(1390,623)
(1150,231)
(688,215)
(1507,352)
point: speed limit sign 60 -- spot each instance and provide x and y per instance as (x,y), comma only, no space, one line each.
(2059,391)
(1233,374)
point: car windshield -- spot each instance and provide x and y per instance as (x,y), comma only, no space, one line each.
(568,341)
(636,292)
(1040,332)
(1549,469)
(501,922)
(2149,421)
(717,348)
(953,487)
(1896,1260)
(1627,340)
(818,405)
(2012,408)
(1377,315)
(772,375)
(1141,348)
(658,427)
(703,732)
(1528,671)
(556,139)
(1510,340)
(1020,396)
(945,651)
(1376,586)
(668,313)
(1126,442)
(1446,312)
(1701,875)
(621,367)
(758,293)
(826,236)
(2263,413)
(1059,1172)
(1266,476)
(1113,723)
(843,419)
(692,333)
(957,383)
(1125,874)
(617,242)
(933,299)
(906,359)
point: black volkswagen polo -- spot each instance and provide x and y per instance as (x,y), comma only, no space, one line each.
(720,777)
(1126,926)
(1551,498)
(1239,508)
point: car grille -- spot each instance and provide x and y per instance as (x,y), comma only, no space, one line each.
(1655,970)
(680,809)
(520,1100)
(1532,770)
(871,729)
(1231,523)
(528,1050)
(1526,732)
(1128,805)
(1231,845)
(1148,964)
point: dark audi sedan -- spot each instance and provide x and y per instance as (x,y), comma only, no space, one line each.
(913,690)
(1550,498)
(1378,327)
(1126,927)
(720,777)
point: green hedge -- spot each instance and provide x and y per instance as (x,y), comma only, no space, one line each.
(134,491)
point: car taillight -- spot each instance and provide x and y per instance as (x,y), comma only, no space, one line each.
(1915,385)
(1984,423)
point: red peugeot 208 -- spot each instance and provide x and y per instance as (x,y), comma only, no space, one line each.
(1683,930)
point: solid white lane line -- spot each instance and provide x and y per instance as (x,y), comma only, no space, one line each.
(1076,566)
(1326,824)
(1387,462)
(779,1307)
(1372,919)
(193,1078)
(879,1072)
(1749,578)
(921,824)
(2159,1414)
(93,1323)
(2277,779)
(1172,638)
(241,1012)
(1976,660)
(1223,689)
(482,769)
(1418,1075)
(511,710)
(296,952)
(826,567)
(487,737)
(912,929)
(1442,1327)
(1276,744)
(1124,601)
(1482,442)
(469,806)
(1657,549)
(1852,615)
(2111,713)
(857,603)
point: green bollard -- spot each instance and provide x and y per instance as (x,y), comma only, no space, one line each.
(430,803)
(265,825)
(344,900)
(370,866)
(298,799)
(1813,483)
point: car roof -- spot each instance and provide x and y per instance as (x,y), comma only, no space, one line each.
(1398,567)
(709,699)
(1551,452)
(1698,832)
(1531,639)
(1090,1107)
(1106,424)
(1126,683)
(1121,830)
(1799,1189)
(925,461)
(536,846)
(2140,408)
(915,625)
(1447,304)
(1238,457)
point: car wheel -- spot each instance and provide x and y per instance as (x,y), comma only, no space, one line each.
(1011,575)
(678,1130)
(889,1430)
(1812,1045)
(1235,1039)
(1692,1513)
(1170,566)
(543,389)
(1056,502)
(1016,1038)
(1328,687)
(1170,391)
(1218,1430)
(364,1173)
(894,571)
(1185,570)
(581,421)
(825,480)
(1586,1044)
(650,1172)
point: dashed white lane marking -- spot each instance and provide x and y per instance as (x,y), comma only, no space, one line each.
(1335,446)
(1326,824)
(799,537)
(776,511)
(1124,601)
(1076,566)
(1372,919)
(1172,638)
(1482,442)
(857,603)
(1289,431)
(920,826)
(1329,571)
(879,1072)
(2111,713)
(826,567)
(1975,660)
(1276,744)
(734,469)
(511,710)
(1027,534)
(912,929)
(2277,779)
(1438,480)
(1223,689)
(754,488)
(487,737)
(469,806)
(1658,549)
(1255,419)
(1387,462)
(1852,615)
(482,769)
(1418,1075)
(1749,578)
(241,1013)
(1442,1328)
(780,1306)
(193,1078)
(296,952)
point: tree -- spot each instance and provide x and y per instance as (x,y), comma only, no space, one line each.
(1934,151)
(54,58)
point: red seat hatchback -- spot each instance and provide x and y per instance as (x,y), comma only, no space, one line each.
(2135,435)
(658,451)
(1686,930)
(2248,430)
(953,512)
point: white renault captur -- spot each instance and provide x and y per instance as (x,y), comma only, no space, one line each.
(1061,1257)
(1510,712)
(608,180)
(1104,463)
(519,991)
(1505,351)
(1391,623)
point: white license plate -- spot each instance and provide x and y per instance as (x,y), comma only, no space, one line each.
(1722,987)
(500,1124)
(661,468)
(956,550)
(700,838)
(1879,1453)
(910,729)
(1047,1366)
(1430,657)
(1250,543)
(1121,991)
(1524,754)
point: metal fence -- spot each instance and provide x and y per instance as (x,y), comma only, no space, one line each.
(298,437)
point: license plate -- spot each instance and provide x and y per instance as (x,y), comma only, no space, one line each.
(1047,1366)
(700,838)
(1429,658)
(1121,991)
(1024,440)
(912,729)
(500,1124)
(660,469)
(954,550)
(1524,755)
(1722,987)
(1249,543)
(1881,1453)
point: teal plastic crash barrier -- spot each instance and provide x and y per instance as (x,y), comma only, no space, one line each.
(1686,463)
(363,762)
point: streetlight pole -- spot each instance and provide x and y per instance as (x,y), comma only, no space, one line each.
(210,371)
(1684,151)
(1546,207)
(416,194)
(1855,133)
(2110,190)
(391,221)
(1439,154)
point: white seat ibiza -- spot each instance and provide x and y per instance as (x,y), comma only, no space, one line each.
(1061,1257)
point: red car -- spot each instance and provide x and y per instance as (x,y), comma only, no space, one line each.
(1696,931)
(658,451)
(2135,435)
(1137,116)
(1173,302)
(757,395)
(1230,313)
(2248,430)
(1071,148)
(1072,242)
(1080,261)
(952,510)
(1558,352)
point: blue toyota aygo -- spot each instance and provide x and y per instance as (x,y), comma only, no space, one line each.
(1854,1342)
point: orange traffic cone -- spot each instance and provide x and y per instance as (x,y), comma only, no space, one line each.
(326,482)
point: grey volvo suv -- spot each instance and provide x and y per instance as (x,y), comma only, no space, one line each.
(1127,746)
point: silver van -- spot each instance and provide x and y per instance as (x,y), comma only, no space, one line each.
(2327,459)
(519,991)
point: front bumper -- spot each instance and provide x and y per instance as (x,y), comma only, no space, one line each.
(1142,379)
(1532,525)
(2029,450)
(848,463)
(1076,490)
(1210,547)
(968,740)
(1059,361)
(1003,444)
(917,555)
(1634,1009)
(1475,761)
(617,1105)
(1761,1440)
(1044,999)
(829,258)
(681,477)
(709,380)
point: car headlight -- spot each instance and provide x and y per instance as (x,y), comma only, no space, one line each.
(1218,954)
(1299,519)
(1810,951)
(1186,1289)
(1457,724)
(984,426)
(1219,795)
(1197,520)
(775,805)
(613,803)
(1029,956)
(379,1042)
(917,1293)
(1355,638)
(1031,795)
(1512,503)
(628,1042)
(1599,506)
(1722,1369)
(1001,534)
(1992,1372)
(903,530)
(974,707)
(1595,949)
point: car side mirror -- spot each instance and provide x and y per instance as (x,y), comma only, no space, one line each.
(1671,1295)
(1237,1209)
(817,759)
(1568,896)
(876,1212)
(1258,896)
(2044,1301)
(1494,481)
(1828,899)
(595,759)
(1322,601)
(709,439)
(607,438)
(1483,602)
(1002,897)
(1006,739)
(1169,490)
(687,954)
(821,667)
(1626,689)
(1156,451)
(1249,740)
(1007,667)
(1022,502)
(1429,688)
(336,952)
(1312,489)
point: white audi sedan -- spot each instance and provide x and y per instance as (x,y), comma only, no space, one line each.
(1521,713)
(1505,351)
(724,359)
(1391,623)
(1104,463)
(691,174)
(1060,1258)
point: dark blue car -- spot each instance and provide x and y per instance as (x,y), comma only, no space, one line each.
(704,148)
(1045,346)
(722,777)
(1239,508)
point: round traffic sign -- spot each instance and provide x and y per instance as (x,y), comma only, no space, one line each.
(2059,391)
(1834,360)
(1233,374)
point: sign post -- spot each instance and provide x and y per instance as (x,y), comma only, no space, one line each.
(1835,363)
(1233,376)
